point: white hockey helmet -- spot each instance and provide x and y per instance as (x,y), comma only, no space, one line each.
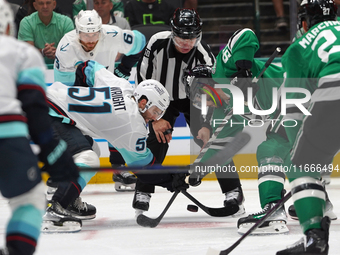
(155,93)
(6,18)
(88,21)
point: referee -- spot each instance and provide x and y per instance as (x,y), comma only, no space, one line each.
(165,58)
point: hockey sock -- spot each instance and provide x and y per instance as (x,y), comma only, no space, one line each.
(309,201)
(269,190)
(66,193)
(23,230)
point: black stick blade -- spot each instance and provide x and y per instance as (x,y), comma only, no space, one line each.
(145,221)
(214,212)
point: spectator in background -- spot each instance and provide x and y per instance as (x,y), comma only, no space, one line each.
(117,10)
(104,7)
(148,12)
(44,28)
(281,22)
(190,4)
(27,8)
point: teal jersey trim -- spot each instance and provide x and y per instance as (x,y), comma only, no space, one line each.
(26,220)
(134,159)
(139,43)
(33,76)
(66,78)
(13,129)
(56,115)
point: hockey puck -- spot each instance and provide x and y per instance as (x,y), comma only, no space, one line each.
(192,208)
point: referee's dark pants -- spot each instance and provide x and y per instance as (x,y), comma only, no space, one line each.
(147,183)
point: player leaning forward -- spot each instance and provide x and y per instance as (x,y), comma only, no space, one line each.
(312,63)
(91,40)
(24,116)
(107,107)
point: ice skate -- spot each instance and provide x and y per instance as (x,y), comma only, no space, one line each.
(124,181)
(275,224)
(141,201)
(82,210)
(233,197)
(315,242)
(59,220)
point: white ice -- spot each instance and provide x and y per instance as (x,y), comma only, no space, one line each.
(114,231)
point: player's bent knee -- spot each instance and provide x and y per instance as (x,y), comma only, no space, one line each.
(35,197)
(87,158)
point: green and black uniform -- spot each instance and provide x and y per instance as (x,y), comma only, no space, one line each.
(312,63)
(272,152)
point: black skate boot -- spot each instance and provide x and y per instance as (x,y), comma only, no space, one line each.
(141,202)
(233,197)
(59,220)
(275,224)
(315,241)
(124,181)
(82,210)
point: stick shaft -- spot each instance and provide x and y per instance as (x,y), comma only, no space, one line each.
(258,224)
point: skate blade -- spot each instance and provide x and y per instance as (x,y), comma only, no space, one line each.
(49,226)
(87,217)
(121,187)
(241,212)
(212,251)
(275,227)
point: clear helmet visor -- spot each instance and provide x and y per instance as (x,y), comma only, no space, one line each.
(155,113)
(185,44)
(89,37)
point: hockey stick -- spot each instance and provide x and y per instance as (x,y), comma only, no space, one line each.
(258,224)
(240,140)
(230,113)
(214,212)
(145,221)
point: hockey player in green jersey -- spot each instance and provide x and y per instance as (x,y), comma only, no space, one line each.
(237,60)
(312,63)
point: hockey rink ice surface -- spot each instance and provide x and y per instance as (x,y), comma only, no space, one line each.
(114,231)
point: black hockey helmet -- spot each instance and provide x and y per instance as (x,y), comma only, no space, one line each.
(186,23)
(316,11)
(199,81)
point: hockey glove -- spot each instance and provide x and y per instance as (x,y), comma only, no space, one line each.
(58,161)
(122,72)
(197,175)
(85,73)
(178,182)
(243,77)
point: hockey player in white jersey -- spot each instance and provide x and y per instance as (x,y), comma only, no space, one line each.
(24,116)
(93,41)
(105,106)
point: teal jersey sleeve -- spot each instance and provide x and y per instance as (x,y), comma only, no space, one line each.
(138,43)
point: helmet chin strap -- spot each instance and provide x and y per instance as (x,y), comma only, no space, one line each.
(142,110)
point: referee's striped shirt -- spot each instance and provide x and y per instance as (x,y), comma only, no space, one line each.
(163,63)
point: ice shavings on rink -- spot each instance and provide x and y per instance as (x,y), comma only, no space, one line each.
(115,232)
